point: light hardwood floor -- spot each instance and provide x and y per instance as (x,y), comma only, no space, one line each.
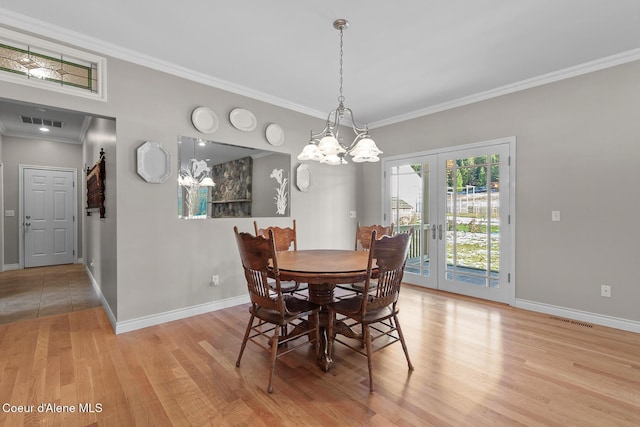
(476,364)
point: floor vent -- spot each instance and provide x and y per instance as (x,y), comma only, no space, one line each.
(41,122)
(573,322)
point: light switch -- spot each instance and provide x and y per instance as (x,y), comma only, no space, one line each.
(555,215)
(352,214)
(9,213)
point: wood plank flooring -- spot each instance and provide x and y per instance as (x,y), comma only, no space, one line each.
(476,364)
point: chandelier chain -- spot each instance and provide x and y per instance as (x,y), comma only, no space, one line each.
(341,97)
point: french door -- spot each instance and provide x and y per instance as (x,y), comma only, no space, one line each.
(459,205)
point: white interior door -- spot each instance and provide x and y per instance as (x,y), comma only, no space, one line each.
(48,216)
(459,204)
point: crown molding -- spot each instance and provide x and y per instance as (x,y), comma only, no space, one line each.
(20,22)
(567,73)
(44,29)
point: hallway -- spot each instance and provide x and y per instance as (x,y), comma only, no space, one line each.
(45,291)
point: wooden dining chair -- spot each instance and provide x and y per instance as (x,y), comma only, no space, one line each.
(285,240)
(363,243)
(269,306)
(363,235)
(375,314)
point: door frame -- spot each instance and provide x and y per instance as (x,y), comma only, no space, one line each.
(21,169)
(511,141)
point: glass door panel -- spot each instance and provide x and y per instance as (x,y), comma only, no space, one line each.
(411,190)
(474,222)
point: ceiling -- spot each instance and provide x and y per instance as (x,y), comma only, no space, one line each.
(402,59)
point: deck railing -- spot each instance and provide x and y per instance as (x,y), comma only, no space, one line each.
(416,240)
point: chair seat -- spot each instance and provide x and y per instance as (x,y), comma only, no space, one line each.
(296,307)
(351,306)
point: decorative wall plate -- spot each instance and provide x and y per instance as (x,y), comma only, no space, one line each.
(274,134)
(204,120)
(154,162)
(242,119)
(303,178)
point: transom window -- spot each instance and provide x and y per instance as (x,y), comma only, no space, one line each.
(34,62)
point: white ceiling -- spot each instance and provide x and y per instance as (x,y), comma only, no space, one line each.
(402,59)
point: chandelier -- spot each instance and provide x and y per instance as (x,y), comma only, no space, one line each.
(327,145)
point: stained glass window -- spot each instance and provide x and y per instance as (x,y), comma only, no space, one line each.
(59,70)
(28,60)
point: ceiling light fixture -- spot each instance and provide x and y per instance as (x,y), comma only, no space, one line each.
(44,129)
(326,146)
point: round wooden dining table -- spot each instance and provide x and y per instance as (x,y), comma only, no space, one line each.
(322,270)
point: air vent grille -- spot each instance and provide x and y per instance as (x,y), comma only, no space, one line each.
(573,322)
(42,122)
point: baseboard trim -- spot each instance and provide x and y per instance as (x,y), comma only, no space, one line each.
(8,267)
(584,316)
(181,313)
(103,300)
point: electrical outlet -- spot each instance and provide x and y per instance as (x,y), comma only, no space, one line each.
(605,291)
(215,280)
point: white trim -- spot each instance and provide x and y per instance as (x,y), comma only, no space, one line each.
(181,313)
(47,138)
(8,267)
(566,73)
(159,318)
(584,316)
(45,29)
(101,63)
(103,300)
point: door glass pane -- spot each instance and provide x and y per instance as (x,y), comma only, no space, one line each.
(409,197)
(472,223)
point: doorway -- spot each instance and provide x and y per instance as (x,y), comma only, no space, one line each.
(48,202)
(460,204)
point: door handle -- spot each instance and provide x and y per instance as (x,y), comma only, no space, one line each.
(440,231)
(433,231)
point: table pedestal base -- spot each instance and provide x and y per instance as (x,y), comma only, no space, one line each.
(323,295)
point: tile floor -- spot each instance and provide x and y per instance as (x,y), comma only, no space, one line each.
(45,291)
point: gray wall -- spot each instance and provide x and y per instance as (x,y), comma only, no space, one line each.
(164,263)
(34,152)
(576,152)
(578,145)
(100,241)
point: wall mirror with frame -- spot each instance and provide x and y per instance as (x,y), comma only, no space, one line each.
(217,180)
